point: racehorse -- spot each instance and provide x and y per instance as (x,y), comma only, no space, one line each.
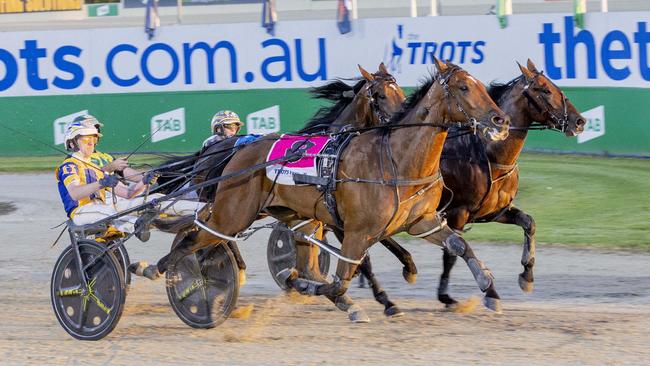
(372,100)
(484,177)
(483,191)
(388,182)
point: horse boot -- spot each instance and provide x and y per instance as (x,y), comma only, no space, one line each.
(142,225)
(143,269)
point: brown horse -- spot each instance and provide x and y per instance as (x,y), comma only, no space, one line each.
(388,182)
(484,177)
(372,100)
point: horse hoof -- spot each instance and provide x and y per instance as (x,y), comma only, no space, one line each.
(242,277)
(452,306)
(357,315)
(286,275)
(393,312)
(151,272)
(525,285)
(143,269)
(493,304)
(410,277)
(447,300)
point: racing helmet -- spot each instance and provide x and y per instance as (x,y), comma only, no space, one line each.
(80,127)
(223,118)
(90,120)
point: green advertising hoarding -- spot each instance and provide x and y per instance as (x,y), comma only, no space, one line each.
(172,84)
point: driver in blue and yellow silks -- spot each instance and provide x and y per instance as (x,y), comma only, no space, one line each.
(83,185)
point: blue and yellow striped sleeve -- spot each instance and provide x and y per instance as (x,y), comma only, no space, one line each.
(68,173)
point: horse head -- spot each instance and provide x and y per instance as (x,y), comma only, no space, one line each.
(550,106)
(457,98)
(381,94)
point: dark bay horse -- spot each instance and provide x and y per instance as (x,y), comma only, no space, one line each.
(485,188)
(388,183)
(484,177)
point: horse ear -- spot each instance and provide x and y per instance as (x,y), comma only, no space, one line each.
(366,75)
(383,68)
(527,74)
(531,66)
(440,66)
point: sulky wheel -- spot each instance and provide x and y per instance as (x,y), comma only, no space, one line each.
(122,256)
(281,254)
(203,287)
(88,314)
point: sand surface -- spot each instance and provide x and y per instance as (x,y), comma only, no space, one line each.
(588,307)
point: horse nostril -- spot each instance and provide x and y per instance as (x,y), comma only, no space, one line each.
(580,122)
(498,120)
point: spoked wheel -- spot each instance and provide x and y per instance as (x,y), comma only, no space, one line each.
(281,254)
(93,313)
(203,287)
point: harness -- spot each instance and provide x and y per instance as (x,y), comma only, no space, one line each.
(561,123)
(328,168)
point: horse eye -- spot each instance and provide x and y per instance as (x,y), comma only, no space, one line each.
(464,88)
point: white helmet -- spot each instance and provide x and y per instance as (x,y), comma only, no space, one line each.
(81,126)
(222,118)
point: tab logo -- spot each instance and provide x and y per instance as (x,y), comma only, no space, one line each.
(168,125)
(595,126)
(61,123)
(264,121)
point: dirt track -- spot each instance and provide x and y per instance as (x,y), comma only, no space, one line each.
(589,307)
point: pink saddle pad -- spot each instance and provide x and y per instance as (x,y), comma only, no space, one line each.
(283,172)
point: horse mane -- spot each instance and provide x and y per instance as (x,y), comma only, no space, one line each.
(414,98)
(331,91)
(497,90)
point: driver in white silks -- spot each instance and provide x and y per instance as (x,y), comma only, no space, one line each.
(83,186)
(224,124)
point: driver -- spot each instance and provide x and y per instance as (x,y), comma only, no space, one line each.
(83,186)
(224,124)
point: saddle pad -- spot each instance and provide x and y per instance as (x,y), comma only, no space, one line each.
(287,145)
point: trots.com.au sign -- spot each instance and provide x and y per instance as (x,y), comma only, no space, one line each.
(611,52)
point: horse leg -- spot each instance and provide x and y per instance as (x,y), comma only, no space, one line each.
(455,219)
(240,261)
(448,261)
(353,247)
(390,309)
(457,246)
(410,272)
(518,217)
(307,262)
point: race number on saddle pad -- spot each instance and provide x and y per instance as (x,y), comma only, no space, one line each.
(289,144)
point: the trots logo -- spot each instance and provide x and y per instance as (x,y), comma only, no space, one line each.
(415,50)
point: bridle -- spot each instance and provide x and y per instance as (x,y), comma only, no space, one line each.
(375,107)
(470,122)
(559,123)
